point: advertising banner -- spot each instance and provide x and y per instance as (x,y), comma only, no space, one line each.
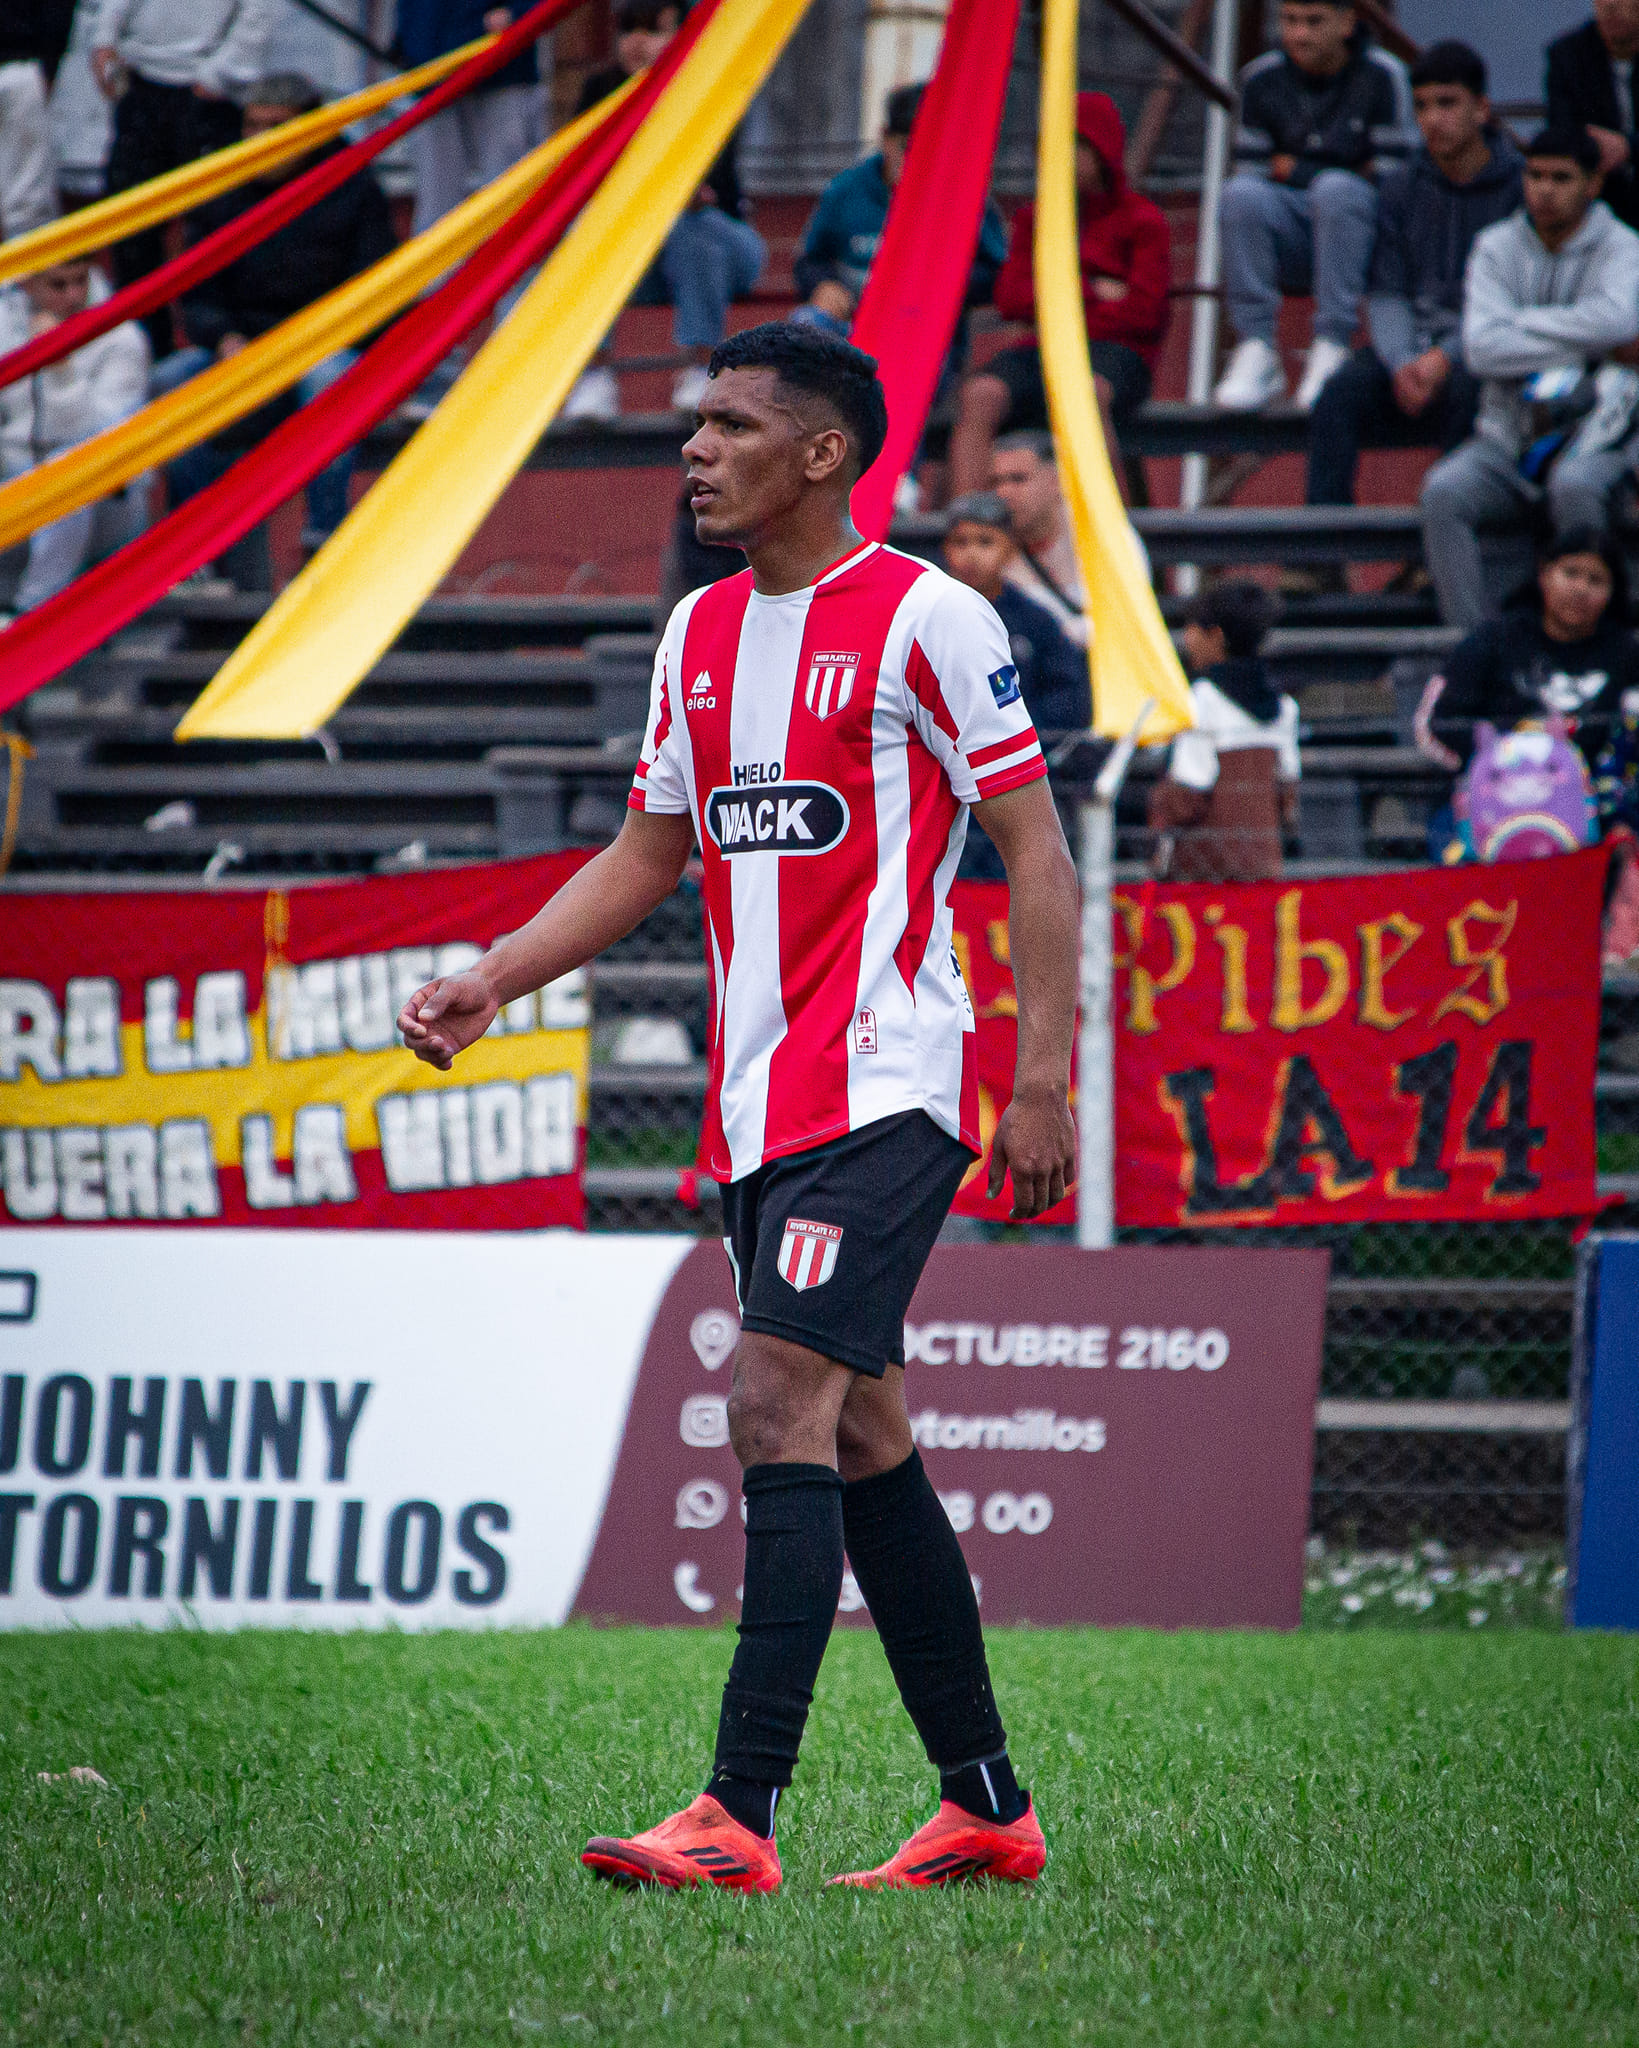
(231,1057)
(1391,1047)
(339,1430)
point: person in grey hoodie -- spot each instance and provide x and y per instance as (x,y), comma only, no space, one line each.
(1553,287)
(1410,387)
(174,70)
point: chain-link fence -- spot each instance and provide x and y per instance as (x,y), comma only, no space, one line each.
(1447,1355)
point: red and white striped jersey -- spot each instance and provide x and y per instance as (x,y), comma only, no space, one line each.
(827,744)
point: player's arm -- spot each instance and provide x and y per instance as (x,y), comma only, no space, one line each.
(1036,1137)
(599,904)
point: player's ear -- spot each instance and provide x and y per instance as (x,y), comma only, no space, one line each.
(827,453)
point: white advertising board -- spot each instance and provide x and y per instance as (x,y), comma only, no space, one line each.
(301,1429)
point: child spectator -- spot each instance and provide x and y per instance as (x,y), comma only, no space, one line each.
(1554,287)
(840,241)
(1564,647)
(979,551)
(1410,388)
(1589,84)
(173,69)
(314,254)
(711,257)
(1126,270)
(1320,117)
(488,129)
(1024,475)
(67,402)
(33,37)
(1230,792)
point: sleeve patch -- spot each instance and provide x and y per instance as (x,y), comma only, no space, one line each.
(1004,684)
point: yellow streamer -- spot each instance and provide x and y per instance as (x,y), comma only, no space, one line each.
(227,390)
(179,191)
(1132,652)
(330,626)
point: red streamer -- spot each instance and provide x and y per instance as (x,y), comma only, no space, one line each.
(41,643)
(913,297)
(281,205)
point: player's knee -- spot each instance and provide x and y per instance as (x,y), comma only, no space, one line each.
(767,1406)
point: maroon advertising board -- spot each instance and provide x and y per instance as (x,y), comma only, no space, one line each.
(1121,1437)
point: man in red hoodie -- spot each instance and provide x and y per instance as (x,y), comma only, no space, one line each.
(1126,267)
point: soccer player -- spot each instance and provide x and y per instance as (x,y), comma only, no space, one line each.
(821,723)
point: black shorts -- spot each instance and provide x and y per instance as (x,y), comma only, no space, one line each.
(828,1245)
(1122,368)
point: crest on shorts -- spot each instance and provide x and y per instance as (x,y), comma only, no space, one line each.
(830,683)
(808,1252)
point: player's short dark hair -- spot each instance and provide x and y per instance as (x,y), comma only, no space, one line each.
(292,89)
(1451,63)
(899,110)
(631,14)
(1565,139)
(979,508)
(807,359)
(1038,444)
(1242,612)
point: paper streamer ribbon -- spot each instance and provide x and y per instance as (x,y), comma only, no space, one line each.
(329,627)
(268,215)
(43,642)
(913,297)
(270,364)
(1132,653)
(142,206)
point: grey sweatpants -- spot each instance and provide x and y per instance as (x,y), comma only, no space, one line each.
(470,144)
(1479,485)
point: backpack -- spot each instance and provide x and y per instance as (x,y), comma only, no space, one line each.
(1527,793)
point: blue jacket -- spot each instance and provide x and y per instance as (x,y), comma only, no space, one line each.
(844,229)
(427,28)
(1425,228)
(1053,671)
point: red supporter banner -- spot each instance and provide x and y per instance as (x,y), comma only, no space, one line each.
(1377,1048)
(231,1056)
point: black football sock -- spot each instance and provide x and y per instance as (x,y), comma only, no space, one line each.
(793,1579)
(911,1571)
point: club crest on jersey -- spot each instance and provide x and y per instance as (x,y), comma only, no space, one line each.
(830,683)
(790,817)
(808,1252)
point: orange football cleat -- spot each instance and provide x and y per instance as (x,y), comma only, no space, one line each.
(704,1844)
(956,1844)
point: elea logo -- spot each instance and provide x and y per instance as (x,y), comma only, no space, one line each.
(795,817)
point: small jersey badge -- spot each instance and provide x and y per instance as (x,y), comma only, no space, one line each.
(1004,684)
(865,1031)
(808,1252)
(830,683)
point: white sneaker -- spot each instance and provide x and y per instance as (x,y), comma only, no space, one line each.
(1324,361)
(690,388)
(1252,379)
(596,396)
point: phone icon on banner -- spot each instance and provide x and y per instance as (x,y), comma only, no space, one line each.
(686,1583)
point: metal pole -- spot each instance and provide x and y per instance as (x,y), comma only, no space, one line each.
(1203,331)
(1095,1043)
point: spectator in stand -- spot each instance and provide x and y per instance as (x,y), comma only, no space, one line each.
(1590,85)
(1555,287)
(1051,671)
(311,255)
(487,130)
(1320,117)
(1565,646)
(1410,388)
(1230,792)
(980,551)
(67,402)
(33,37)
(1126,269)
(1024,475)
(840,241)
(712,256)
(174,70)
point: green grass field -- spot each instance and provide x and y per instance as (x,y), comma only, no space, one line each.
(1339,1836)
